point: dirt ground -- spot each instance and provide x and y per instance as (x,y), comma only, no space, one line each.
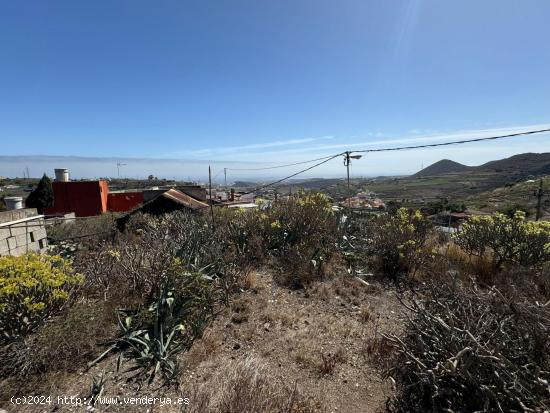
(322,343)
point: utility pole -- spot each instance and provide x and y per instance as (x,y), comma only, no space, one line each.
(210,191)
(538,193)
(347,161)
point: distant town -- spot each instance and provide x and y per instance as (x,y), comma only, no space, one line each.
(445,192)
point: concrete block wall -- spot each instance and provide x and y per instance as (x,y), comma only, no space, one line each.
(22,231)
(14,215)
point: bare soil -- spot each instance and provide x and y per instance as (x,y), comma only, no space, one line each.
(322,343)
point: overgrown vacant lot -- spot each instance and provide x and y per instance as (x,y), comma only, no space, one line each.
(291,308)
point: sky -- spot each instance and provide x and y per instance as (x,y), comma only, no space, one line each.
(168,87)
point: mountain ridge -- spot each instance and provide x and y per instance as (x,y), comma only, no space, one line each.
(522,164)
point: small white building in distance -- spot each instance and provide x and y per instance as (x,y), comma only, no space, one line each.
(22,231)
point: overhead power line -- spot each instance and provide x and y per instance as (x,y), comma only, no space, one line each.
(401,148)
(279,166)
(294,174)
(431,145)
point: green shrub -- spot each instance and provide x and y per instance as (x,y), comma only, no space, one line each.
(296,236)
(510,210)
(396,242)
(508,240)
(301,236)
(32,288)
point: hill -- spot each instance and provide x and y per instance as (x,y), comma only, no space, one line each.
(444,179)
(525,163)
(443,166)
(515,166)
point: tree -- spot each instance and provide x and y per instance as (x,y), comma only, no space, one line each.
(42,197)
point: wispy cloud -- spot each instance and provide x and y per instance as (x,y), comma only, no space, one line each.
(382,163)
(224,150)
(294,150)
(406,140)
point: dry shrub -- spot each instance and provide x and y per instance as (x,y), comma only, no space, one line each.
(133,267)
(347,288)
(87,231)
(377,348)
(64,343)
(514,281)
(366,313)
(330,360)
(247,386)
(468,350)
(241,310)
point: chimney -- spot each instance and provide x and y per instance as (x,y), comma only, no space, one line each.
(13,202)
(232,195)
(62,175)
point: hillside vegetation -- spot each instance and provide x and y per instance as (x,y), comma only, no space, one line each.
(293,308)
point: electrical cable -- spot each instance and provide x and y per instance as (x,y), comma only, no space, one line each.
(293,175)
(280,166)
(431,145)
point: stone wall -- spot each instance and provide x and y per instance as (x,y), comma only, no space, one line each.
(22,231)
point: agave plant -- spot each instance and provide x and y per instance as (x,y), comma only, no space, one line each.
(154,336)
(98,385)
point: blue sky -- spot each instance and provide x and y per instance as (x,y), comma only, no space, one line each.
(271,81)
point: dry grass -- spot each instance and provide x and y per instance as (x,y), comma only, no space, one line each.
(203,349)
(251,281)
(480,267)
(241,310)
(248,386)
(366,313)
(65,342)
(329,361)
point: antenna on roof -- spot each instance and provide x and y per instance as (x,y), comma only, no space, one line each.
(118,165)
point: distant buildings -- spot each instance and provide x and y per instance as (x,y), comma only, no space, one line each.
(363,202)
(84,198)
(89,198)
